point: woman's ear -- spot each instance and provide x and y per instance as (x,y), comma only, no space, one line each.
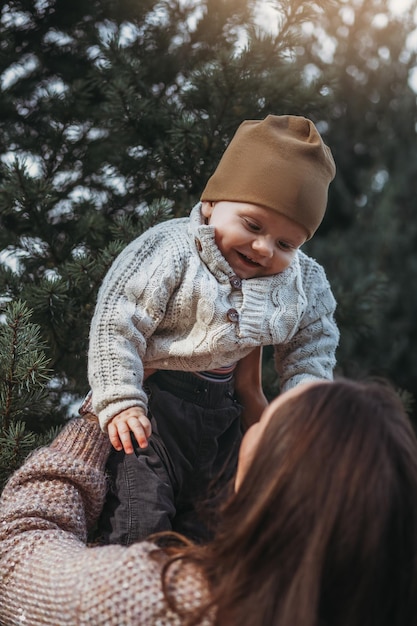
(207,209)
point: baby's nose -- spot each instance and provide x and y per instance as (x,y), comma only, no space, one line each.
(264,246)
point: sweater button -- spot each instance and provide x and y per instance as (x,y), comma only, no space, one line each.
(236,282)
(233,315)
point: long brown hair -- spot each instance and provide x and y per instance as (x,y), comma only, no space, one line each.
(323,530)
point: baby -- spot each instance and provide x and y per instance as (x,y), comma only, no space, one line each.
(189,299)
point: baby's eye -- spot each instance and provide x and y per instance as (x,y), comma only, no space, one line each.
(252,226)
(284,245)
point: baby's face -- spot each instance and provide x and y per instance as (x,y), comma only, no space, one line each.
(254,241)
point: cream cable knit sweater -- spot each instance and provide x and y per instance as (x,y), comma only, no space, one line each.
(48,576)
(171,301)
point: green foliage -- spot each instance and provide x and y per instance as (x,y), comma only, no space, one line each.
(115,113)
(369,237)
(24,376)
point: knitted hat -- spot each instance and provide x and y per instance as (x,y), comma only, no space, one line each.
(280,163)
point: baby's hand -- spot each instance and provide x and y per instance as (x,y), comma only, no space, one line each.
(130,420)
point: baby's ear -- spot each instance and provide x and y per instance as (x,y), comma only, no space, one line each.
(207,208)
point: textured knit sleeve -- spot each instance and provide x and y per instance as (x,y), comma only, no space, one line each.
(48,575)
(131,304)
(311,352)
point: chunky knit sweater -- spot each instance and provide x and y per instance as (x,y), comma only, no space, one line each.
(171,301)
(48,575)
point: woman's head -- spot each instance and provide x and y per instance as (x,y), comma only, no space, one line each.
(323,526)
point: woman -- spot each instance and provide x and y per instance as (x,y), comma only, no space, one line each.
(321,528)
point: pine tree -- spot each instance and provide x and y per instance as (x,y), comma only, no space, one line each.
(115,113)
(369,236)
(118,116)
(24,377)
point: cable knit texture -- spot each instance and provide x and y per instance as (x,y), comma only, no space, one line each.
(48,575)
(166,303)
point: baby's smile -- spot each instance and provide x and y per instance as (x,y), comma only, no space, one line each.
(248,260)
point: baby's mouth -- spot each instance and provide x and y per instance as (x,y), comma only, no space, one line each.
(248,260)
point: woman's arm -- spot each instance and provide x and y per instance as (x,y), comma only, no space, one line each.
(48,575)
(248,387)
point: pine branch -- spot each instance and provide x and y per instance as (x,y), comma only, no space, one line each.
(24,376)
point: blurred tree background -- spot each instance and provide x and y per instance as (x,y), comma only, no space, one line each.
(114,113)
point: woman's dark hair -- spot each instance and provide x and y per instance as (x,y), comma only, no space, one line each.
(323,530)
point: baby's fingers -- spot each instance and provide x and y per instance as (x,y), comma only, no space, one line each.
(122,425)
(119,435)
(141,428)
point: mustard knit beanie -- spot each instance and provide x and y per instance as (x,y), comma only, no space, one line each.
(280,163)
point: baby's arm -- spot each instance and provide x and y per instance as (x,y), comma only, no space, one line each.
(131,303)
(130,420)
(248,387)
(311,353)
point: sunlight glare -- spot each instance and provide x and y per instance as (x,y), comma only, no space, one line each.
(399,6)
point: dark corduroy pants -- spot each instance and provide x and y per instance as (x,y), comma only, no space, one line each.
(178,481)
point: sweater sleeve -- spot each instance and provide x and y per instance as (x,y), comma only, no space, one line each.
(48,575)
(311,352)
(131,304)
